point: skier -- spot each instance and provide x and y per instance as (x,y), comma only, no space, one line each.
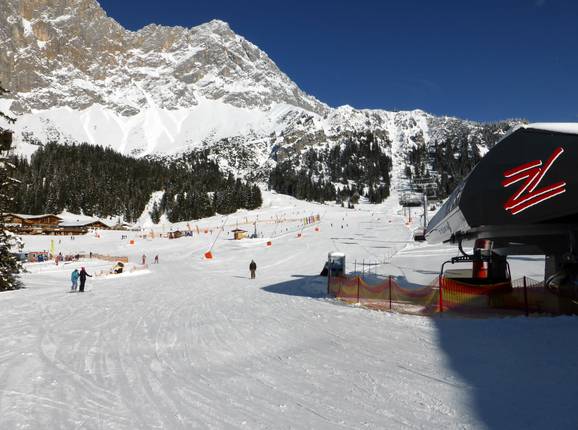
(144,259)
(74,279)
(156,259)
(83,276)
(253,269)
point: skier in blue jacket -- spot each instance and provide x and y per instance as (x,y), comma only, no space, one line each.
(74,279)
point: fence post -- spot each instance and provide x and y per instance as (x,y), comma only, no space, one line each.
(358,289)
(329,277)
(441,301)
(525,297)
(389,292)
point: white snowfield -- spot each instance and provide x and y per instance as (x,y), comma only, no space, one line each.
(190,343)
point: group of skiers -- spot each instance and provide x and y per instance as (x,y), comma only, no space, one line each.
(82,275)
(76,275)
(144,259)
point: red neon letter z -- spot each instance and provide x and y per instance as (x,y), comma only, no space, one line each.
(532,174)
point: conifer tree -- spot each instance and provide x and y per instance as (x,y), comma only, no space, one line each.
(155,213)
(9,266)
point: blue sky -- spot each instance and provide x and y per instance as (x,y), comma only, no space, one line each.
(481,60)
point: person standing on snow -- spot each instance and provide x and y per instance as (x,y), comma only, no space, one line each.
(156,259)
(74,279)
(144,259)
(83,276)
(253,269)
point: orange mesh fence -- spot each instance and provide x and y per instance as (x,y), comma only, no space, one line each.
(459,295)
(110,258)
(344,287)
(532,296)
(349,289)
(419,296)
(386,294)
(518,296)
(375,296)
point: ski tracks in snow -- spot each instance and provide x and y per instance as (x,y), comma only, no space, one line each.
(196,344)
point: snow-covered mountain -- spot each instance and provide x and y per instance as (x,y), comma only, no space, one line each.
(70,53)
(76,75)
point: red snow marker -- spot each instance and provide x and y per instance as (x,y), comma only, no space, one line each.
(269,243)
(316,228)
(208,255)
(298,234)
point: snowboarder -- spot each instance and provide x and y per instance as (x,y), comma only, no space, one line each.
(156,259)
(83,276)
(74,279)
(253,269)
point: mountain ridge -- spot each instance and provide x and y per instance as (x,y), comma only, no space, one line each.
(69,52)
(78,76)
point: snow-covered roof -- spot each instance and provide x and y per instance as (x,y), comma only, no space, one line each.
(24,216)
(557,127)
(79,223)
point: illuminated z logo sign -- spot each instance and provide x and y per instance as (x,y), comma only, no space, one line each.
(532,174)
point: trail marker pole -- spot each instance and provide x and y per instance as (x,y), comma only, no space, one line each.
(329,266)
(526,297)
(389,292)
(441,302)
(358,290)
(209,253)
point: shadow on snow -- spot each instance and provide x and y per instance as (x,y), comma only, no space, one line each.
(520,372)
(302,286)
(516,372)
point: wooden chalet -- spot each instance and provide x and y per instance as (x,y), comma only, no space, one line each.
(31,224)
(81,227)
(49,224)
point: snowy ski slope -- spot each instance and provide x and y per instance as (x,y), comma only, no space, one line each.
(190,343)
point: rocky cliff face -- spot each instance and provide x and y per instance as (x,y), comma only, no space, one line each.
(70,53)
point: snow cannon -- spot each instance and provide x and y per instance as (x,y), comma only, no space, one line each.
(520,199)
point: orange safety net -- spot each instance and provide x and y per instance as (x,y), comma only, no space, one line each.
(382,295)
(459,294)
(522,295)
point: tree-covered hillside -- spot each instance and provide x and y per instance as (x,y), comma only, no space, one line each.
(100,182)
(357,167)
(448,159)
